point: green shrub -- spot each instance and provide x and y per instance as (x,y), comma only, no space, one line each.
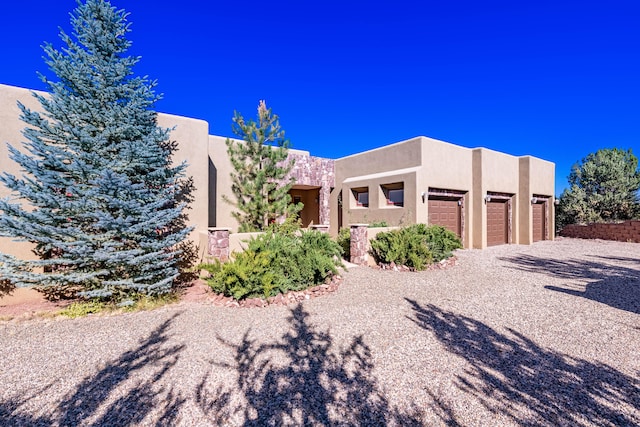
(84,308)
(415,246)
(401,247)
(344,240)
(378,224)
(442,242)
(276,262)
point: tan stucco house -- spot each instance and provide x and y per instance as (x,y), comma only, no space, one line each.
(484,196)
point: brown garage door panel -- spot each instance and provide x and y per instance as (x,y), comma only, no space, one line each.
(538,222)
(446,213)
(497,223)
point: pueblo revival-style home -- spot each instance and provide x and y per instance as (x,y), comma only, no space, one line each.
(485,197)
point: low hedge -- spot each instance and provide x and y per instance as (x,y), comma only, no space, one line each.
(277,262)
(414,246)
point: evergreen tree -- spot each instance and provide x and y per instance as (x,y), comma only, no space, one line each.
(261,166)
(603,187)
(99,195)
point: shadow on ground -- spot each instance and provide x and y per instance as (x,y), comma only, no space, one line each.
(614,281)
(113,396)
(513,376)
(300,380)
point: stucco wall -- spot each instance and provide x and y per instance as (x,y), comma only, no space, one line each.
(536,179)
(493,172)
(190,134)
(446,166)
(401,155)
(10,133)
(192,137)
(425,164)
(220,185)
(378,209)
(393,163)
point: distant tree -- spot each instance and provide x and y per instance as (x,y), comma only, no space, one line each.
(603,187)
(260,165)
(103,197)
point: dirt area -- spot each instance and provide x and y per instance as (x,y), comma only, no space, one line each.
(27,303)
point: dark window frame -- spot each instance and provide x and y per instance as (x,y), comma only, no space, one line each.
(390,192)
(361,192)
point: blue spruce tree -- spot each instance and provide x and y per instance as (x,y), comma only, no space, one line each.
(99,196)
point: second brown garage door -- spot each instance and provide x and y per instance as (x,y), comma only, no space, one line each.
(447,213)
(497,222)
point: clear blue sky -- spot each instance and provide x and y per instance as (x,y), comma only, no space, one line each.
(554,79)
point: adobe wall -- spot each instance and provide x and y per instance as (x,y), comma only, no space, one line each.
(190,134)
(628,231)
(11,133)
(378,209)
(401,155)
(537,182)
(220,185)
(425,164)
(399,162)
(493,172)
(447,168)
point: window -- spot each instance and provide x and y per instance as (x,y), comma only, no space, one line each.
(394,193)
(362,196)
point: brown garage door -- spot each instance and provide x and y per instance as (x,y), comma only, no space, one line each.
(497,222)
(538,221)
(446,212)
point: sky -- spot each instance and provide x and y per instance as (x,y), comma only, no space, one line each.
(553,79)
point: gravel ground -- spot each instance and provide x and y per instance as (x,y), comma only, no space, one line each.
(545,335)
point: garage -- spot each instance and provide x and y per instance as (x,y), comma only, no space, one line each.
(497,222)
(539,218)
(446,212)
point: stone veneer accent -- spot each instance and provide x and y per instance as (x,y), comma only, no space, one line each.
(218,247)
(628,231)
(316,172)
(359,246)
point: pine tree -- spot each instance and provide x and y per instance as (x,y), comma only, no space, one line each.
(261,165)
(99,194)
(603,187)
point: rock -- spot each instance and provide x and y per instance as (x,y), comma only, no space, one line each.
(281,299)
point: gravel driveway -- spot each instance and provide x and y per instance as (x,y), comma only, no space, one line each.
(546,335)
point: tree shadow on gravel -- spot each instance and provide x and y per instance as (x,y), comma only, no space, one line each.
(511,375)
(300,380)
(116,395)
(613,284)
